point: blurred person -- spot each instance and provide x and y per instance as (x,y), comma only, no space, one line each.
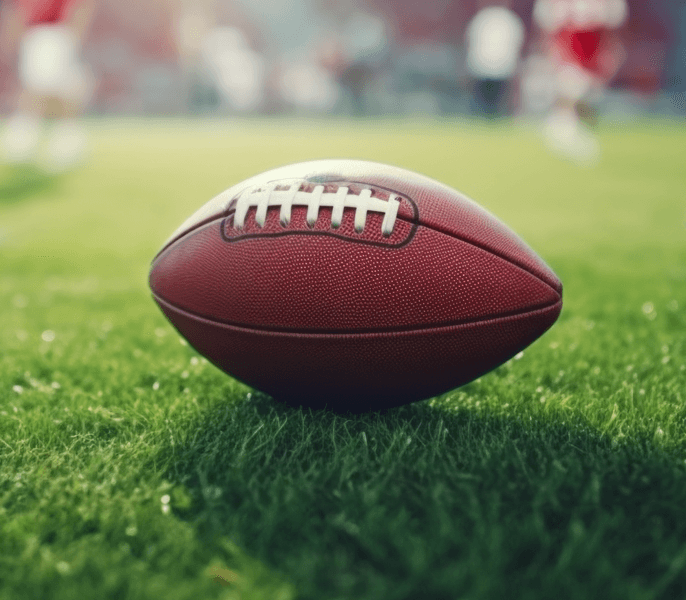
(494,42)
(585,53)
(44,37)
(193,22)
(218,57)
(307,86)
(237,71)
(356,51)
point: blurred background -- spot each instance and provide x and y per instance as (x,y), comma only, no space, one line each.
(563,62)
(347,56)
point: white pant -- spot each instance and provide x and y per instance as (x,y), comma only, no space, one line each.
(49,63)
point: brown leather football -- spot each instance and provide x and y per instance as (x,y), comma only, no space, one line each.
(352,285)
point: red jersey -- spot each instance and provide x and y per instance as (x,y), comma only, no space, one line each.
(582,33)
(593,49)
(38,12)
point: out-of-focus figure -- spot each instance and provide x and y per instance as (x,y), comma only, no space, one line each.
(366,48)
(44,38)
(238,71)
(218,56)
(193,22)
(494,43)
(585,53)
(309,86)
(355,51)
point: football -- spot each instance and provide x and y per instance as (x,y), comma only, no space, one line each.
(352,285)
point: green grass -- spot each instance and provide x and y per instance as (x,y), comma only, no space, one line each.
(131,468)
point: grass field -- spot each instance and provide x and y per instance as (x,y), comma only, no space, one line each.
(131,468)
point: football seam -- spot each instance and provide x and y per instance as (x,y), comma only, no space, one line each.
(362,331)
(490,251)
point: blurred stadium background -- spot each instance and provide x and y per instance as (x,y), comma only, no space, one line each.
(563,62)
(369,57)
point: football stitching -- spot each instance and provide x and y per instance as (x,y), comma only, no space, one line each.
(285,197)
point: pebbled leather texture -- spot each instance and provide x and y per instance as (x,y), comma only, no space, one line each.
(352,320)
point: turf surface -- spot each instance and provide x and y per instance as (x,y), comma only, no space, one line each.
(131,468)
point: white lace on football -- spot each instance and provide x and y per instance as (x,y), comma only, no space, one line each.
(267,196)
